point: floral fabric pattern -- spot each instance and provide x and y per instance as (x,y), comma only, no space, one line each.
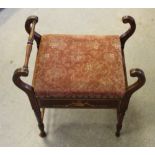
(70,65)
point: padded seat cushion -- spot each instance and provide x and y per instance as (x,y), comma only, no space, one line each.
(74,65)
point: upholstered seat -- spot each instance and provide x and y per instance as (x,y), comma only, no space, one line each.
(70,65)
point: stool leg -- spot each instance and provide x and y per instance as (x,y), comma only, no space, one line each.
(37,111)
(35,106)
(121,113)
(38,115)
(120,118)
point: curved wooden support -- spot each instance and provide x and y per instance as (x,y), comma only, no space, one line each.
(28,28)
(124,37)
(24,86)
(19,83)
(134,87)
(125,100)
(31,95)
(139,83)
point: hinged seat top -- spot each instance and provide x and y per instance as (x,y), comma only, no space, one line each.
(74,65)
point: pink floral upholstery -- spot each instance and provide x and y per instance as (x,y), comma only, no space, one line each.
(70,65)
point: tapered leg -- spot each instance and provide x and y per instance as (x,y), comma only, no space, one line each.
(120,117)
(38,115)
(121,113)
(37,111)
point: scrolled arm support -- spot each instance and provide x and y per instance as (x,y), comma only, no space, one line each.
(22,85)
(125,36)
(18,82)
(139,83)
(132,88)
(28,28)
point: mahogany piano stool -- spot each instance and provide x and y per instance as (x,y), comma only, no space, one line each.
(78,71)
